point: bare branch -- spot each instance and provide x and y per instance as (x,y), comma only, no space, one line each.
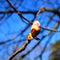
(18,12)
(43,9)
(53,30)
(23,12)
(19,50)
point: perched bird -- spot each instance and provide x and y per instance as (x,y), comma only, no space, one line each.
(35,30)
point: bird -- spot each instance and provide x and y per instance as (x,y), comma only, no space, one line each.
(35,30)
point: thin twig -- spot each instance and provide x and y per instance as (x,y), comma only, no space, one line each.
(40,55)
(53,30)
(18,12)
(19,50)
(45,46)
(43,9)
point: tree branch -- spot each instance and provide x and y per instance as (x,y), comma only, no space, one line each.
(23,12)
(18,12)
(19,50)
(53,30)
(55,11)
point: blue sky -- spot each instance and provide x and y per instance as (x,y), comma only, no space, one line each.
(13,25)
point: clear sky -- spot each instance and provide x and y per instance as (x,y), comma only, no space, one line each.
(11,25)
